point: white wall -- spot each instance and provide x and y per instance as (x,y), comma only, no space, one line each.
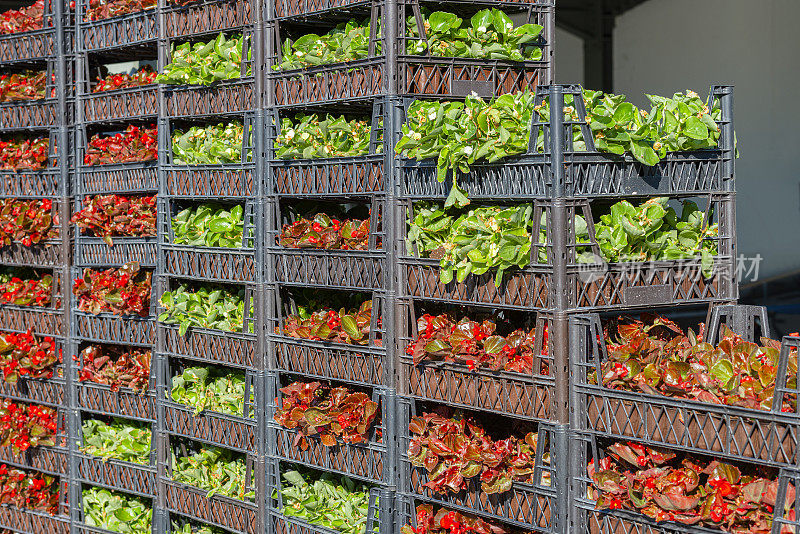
(664,46)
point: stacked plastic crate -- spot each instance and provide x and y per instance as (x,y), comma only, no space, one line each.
(34,260)
(343,281)
(113,422)
(210,377)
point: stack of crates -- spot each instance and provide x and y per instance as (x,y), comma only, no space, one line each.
(234,187)
(105,47)
(43,124)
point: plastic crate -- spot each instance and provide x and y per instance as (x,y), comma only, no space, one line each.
(27,114)
(114,474)
(239,517)
(80,527)
(106,327)
(517,395)
(207,17)
(369,461)
(50,460)
(211,263)
(380,513)
(733,433)
(587,519)
(430,76)
(235,432)
(48,391)
(359,364)
(597,286)
(28,46)
(343,269)
(48,252)
(140,177)
(22,521)
(48,320)
(115,32)
(561,171)
(46,182)
(526,505)
(361,175)
(212,181)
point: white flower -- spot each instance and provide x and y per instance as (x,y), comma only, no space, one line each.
(467,150)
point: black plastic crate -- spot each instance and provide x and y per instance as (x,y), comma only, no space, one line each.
(46,182)
(235,432)
(129,477)
(211,263)
(211,181)
(208,16)
(518,395)
(48,391)
(51,252)
(406,74)
(52,460)
(562,171)
(28,114)
(29,46)
(106,327)
(369,461)
(596,286)
(586,518)
(48,320)
(359,364)
(360,175)
(380,513)
(118,104)
(22,521)
(536,505)
(342,269)
(81,527)
(239,517)
(769,437)
(115,32)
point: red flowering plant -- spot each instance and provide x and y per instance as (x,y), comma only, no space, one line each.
(144,76)
(316,409)
(104,9)
(116,367)
(342,326)
(24,19)
(28,490)
(655,356)
(444,521)
(23,426)
(27,221)
(26,292)
(326,233)
(26,355)
(687,490)
(24,154)
(455,450)
(123,291)
(109,216)
(134,145)
(474,344)
(26,85)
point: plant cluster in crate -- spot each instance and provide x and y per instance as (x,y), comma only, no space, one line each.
(336,443)
(33,238)
(32,113)
(52,460)
(315,249)
(133,177)
(47,319)
(768,435)
(108,327)
(115,32)
(525,500)
(707,507)
(360,174)
(207,16)
(365,362)
(218,261)
(444,357)
(227,180)
(32,368)
(592,283)
(584,172)
(238,516)
(108,470)
(228,419)
(107,99)
(31,174)
(422,74)
(134,511)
